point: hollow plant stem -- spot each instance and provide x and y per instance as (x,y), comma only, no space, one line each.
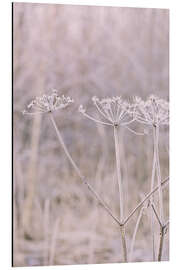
(152,197)
(161,210)
(163,228)
(119,178)
(118,168)
(99,199)
(161,242)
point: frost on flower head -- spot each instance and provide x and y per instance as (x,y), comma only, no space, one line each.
(114,110)
(154,111)
(48,103)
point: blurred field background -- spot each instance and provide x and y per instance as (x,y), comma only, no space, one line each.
(83,51)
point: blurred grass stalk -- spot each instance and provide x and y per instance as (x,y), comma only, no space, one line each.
(32,170)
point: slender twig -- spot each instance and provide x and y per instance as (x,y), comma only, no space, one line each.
(152,197)
(135,232)
(133,131)
(156,214)
(167,223)
(163,230)
(118,167)
(161,241)
(96,120)
(161,210)
(121,201)
(79,172)
(145,199)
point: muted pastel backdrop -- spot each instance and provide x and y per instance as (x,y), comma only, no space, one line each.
(82,51)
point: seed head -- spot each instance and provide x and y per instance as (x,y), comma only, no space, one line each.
(154,111)
(115,112)
(48,103)
(112,109)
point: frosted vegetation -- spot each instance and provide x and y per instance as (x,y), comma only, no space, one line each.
(91,164)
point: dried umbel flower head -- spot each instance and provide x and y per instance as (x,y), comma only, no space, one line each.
(114,110)
(48,103)
(154,111)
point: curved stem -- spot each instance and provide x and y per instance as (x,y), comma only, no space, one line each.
(134,132)
(96,120)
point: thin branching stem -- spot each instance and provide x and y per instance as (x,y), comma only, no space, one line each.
(100,200)
(134,132)
(156,214)
(152,197)
(167,223)
(118,168)
(161,242)
(161,210)
(163,229)
(145,199)
(96,120)
(135,232)
(121,201)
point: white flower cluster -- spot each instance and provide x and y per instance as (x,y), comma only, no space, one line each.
(154,111)
(114,109)
(48,103)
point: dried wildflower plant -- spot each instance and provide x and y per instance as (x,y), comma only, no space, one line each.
(118,113)
(115,111)
(154,111)
(48,103)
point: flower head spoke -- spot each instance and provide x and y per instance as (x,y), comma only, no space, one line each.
(96,101)
(83,111)
(134,132)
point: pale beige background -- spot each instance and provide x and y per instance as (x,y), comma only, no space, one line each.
(82,51)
